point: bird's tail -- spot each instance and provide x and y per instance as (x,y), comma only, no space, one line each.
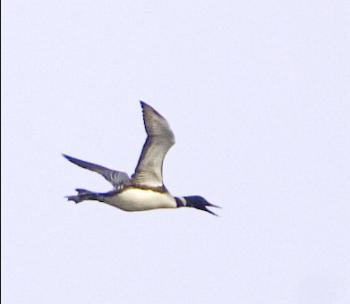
(84,195)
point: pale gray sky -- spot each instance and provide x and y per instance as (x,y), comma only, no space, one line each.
(258,95)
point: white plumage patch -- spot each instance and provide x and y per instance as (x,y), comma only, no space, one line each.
(133,199)
(183,201)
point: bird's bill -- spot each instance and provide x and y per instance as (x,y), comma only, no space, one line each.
(208,210)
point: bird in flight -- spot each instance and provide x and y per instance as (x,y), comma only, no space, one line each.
(145,189)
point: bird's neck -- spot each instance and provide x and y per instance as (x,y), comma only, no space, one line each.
(180,202)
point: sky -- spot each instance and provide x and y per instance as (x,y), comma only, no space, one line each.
(258,96)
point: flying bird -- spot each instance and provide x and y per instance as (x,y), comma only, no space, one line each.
(145,189)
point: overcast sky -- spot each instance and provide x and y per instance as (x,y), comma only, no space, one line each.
(258,96)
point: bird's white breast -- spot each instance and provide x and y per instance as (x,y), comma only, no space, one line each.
(134,199)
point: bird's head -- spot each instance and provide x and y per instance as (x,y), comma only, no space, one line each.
(199,202)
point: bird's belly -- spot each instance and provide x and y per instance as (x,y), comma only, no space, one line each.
(133,199)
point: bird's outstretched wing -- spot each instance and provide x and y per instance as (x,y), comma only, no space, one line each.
(117,178)
(160,138)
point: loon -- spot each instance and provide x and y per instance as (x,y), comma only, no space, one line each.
(145,189)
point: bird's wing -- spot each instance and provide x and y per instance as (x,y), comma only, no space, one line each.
(160,138)
(116,178)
